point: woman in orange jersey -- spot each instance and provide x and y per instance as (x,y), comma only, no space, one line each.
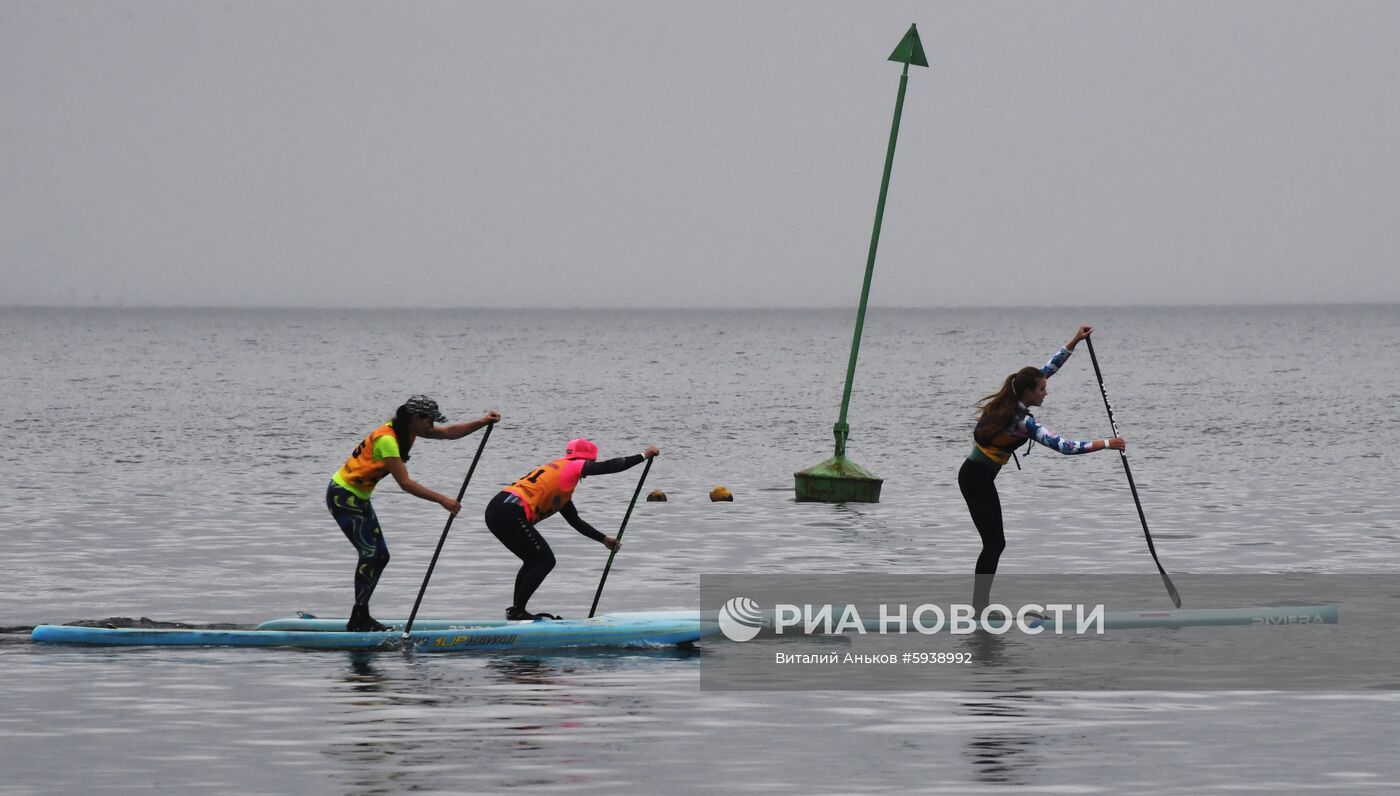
(384,452)
(513,513)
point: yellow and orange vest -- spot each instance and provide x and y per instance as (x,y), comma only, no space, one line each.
(547,488)
(367,465)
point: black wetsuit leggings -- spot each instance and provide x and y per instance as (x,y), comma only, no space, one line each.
(978,484)
(356,518)
(505,517)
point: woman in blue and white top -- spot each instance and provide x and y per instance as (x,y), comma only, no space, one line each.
(1004,423)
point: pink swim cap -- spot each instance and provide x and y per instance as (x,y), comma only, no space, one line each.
(581,449)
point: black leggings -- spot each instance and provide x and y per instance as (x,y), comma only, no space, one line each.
(978,484)
(357,520)
(505,517)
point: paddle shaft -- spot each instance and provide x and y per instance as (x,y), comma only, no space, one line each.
(1123,457)
(599,593)
(460,493)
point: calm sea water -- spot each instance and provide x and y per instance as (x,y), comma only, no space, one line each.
(171,464)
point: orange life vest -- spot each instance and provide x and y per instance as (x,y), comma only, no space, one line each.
(544,490)
(998,444)
(362,471)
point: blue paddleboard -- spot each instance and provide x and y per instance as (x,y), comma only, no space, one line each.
(608,630)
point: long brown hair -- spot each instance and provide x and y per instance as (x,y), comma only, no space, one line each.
(403,425)
(998,411)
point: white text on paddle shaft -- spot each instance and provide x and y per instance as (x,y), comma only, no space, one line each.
(928,618)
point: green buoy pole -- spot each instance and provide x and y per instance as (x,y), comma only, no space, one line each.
(838,479)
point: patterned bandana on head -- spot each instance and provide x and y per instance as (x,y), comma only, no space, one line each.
(423,406)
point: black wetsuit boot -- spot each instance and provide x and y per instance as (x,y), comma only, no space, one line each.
(520,614)
(361,622)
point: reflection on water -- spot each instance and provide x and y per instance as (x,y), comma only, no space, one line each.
(523,671)
(1002,756)
(408,721)
(266,720)
(989,652)
(363,676)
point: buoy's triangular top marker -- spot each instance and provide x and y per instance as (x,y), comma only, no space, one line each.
(910,49)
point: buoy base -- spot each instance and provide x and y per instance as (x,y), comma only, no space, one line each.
(838,480)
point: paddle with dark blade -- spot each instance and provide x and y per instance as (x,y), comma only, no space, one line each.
(592,609)
(1123,456)
(408,626)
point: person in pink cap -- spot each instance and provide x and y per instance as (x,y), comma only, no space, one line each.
(515,511)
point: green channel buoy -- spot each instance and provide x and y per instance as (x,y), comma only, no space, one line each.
(838,479)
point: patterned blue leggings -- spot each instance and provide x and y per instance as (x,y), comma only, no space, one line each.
(357,520)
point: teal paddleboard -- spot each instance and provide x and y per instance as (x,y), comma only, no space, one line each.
(608,630)
(1211,617)
(1137,620)
(319,625)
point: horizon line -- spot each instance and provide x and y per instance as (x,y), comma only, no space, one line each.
(675,308)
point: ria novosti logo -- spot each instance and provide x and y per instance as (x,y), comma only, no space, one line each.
(740,619)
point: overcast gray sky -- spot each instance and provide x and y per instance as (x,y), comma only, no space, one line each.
(697,154)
